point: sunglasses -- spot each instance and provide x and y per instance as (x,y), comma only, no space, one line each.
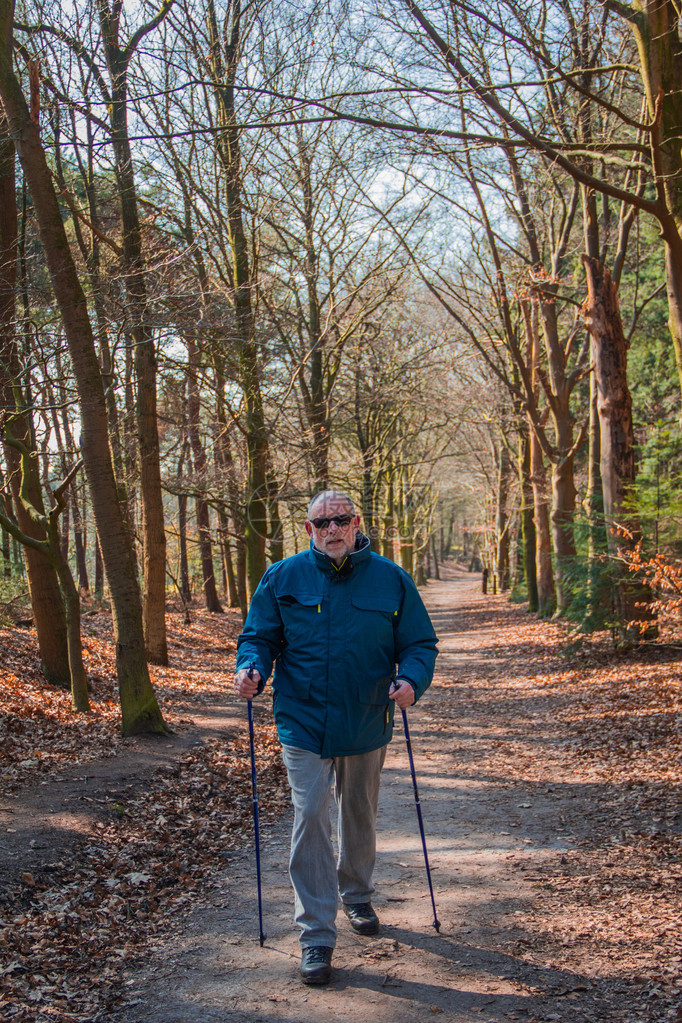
(341,520)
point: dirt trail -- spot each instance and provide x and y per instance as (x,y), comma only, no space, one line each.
(486,831)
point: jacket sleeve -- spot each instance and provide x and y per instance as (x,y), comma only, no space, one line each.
(261,641)
(415,640)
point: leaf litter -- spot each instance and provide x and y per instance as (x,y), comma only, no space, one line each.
(559,718)
(610,908)
(68,929)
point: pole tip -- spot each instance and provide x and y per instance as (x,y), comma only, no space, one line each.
(262,939)
(436,924)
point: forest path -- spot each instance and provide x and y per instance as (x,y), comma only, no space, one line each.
(496,803)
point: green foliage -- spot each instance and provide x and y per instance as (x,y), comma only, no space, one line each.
(589,579)
(657,494)
(14,600)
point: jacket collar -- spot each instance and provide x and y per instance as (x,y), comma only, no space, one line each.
(361,553)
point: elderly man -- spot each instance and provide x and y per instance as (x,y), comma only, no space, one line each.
(336,621)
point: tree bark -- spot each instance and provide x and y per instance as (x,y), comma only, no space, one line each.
(434,552)
(617,438)
(388,520)
(43,584)
(99,570)
(80,700)
(51,547)
(225,461)
(528,531)
(406,518)
(544,572)
(502,521)
(6,548)
(185,588)
(199,458)
(656,26)
(151,496)
(79,544)
(316,401)
(276,534)
(230,578)
(224,66)
(140,711)
(599,596)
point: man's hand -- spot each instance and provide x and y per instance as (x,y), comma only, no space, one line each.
(403,693)
(247,685)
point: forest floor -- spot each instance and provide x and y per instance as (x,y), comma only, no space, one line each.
(549,773)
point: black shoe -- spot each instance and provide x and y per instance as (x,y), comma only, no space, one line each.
(316,964)
(362,917)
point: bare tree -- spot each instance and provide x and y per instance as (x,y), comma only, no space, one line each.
(140,710)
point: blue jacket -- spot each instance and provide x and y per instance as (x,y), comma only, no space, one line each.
(336,636)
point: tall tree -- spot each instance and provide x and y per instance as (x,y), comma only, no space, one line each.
(43,583)
(140,711)
(226,48)
(118,56)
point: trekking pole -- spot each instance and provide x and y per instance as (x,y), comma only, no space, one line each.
(254,791)
(406,729)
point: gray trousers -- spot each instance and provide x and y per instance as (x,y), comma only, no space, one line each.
(317,879)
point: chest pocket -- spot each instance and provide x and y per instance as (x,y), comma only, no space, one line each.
(298,610)
(385,604)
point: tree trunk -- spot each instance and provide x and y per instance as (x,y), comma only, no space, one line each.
(276,534)
(231,587)
(224,67)
(528,531)
(51,547)
(49,614)
(562,519)
(316,402)
(6,549)
(185,588)
(64,532)
(80,700)
(151,496)
(388,531)
(599,595)
(656,28)
(99,570)
(617,438)
(544,573)
(434,552)
(140,711)
(79,544)
(225,462)
(200,461)
(43,584)
(406,517)
(362,433)
(543,551)
(502,521)
(562,516)
(242,590)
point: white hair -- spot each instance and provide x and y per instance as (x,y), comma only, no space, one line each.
(331,495)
